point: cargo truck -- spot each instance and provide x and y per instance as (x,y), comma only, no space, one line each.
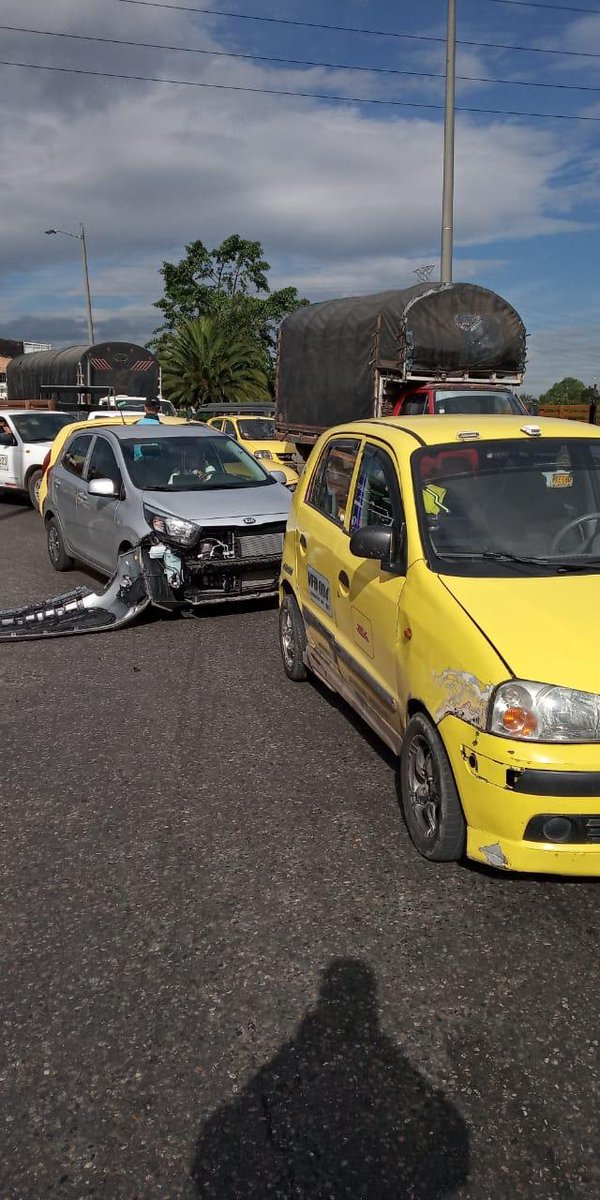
(431,348)
(71,375)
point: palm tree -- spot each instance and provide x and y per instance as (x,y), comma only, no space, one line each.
(203,364)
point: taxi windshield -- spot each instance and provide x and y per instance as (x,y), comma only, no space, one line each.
(498,507)
(175,464)
(257,429)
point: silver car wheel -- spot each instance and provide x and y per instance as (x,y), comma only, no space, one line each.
(423,787)
(53,544)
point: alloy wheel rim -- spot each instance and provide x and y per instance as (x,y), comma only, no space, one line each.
(287,638)
(36,490)
(53,544)
(423,787)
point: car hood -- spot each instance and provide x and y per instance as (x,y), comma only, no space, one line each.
(543,628)
(274,447)
(226,505)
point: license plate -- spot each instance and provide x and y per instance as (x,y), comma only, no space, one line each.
(3,462)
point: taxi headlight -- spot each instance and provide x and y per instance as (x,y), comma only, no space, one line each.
(542,712)
(262,454)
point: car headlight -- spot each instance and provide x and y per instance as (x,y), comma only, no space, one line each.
(262,454)
(173,529)
(542,712)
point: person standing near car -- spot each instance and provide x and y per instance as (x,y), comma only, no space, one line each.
(151,413)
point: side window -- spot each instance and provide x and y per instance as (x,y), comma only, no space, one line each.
(103,464)
(414,406)
(228,427)
(217,424)
(331,482)
(377,495)
(74,457)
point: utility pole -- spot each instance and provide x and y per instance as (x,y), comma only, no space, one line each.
(86,278)
(448,184)
(86,281)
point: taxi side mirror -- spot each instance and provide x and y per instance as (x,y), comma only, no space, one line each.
(382,543)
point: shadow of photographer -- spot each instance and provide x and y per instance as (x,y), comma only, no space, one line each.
(338,1113)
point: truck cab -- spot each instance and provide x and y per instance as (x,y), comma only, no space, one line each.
(437,398)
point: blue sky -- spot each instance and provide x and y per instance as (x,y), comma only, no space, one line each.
(345,196)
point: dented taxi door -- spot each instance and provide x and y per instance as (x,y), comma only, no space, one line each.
(321,550)
(368,597)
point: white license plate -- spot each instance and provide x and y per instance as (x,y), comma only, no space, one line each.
(3,462)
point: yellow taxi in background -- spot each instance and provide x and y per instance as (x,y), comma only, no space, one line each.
(89,427)
(442,574)
(257,435)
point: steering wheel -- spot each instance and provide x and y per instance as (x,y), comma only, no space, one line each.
(560,536)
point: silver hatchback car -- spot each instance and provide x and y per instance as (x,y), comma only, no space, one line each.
(207,519)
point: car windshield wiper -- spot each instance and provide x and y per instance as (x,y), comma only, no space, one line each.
(526,560)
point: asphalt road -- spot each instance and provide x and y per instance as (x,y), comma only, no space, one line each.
(226,973)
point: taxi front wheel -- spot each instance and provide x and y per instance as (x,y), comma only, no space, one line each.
(428,796)
(292,639)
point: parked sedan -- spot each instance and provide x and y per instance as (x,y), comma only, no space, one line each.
(209,520)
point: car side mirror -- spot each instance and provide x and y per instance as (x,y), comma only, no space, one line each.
(382,543)
(278,476)
(103,487)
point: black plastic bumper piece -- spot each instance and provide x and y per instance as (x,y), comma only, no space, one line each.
(555,783)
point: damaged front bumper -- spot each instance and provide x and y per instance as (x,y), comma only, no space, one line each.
(82,610)
(513,792)
(222,568)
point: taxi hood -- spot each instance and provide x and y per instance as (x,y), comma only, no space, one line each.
(543,628)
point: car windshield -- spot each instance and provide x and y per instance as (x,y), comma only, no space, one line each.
(498,507)
(41,426)
(257,429)
(175,464)
(477,402)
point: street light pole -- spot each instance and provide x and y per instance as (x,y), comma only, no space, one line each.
(448,184)
(86,278)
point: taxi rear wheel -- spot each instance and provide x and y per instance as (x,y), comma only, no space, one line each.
(292,639)
(430,802)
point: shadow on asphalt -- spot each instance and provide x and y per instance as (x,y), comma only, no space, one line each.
(338,1114)
(15,512)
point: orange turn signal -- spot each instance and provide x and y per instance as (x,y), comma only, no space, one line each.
(520,721)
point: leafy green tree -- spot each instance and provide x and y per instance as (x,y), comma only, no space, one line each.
(568,391)
(230,285)
(202,364)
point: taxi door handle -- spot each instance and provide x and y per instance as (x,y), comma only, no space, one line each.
(302,541)
(344,583)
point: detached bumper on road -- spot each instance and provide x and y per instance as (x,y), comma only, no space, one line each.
(81,610)
(529,807)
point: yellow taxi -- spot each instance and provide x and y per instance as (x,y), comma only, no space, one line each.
(257,435)
(442,574)
(89,426)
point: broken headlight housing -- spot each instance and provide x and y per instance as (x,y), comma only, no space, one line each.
(543,712)
(172,529)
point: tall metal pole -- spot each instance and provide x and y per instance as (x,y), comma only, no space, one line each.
(448,185)
(86,280)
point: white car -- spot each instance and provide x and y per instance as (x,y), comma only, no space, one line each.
(128,406)
(26,436)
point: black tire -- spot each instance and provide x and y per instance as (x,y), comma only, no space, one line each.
(33,487)
(292,639)
(61,561)
(430,802)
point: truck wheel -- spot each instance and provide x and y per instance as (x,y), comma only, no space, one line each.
(33,487)
(61,561)
(292,639)
(430,803)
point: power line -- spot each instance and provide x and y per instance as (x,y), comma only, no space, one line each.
(231,87)
(294,62)
(571,8)
(387,33)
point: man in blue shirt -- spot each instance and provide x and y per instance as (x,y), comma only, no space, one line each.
(151,413)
